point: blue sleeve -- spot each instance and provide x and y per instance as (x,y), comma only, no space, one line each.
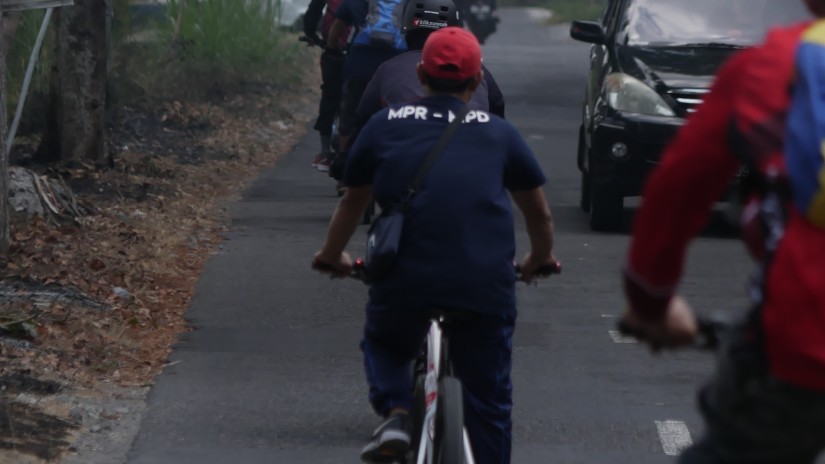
(361,159)
(352,12)
(522,171)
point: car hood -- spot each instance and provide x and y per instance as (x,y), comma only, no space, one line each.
(666,68)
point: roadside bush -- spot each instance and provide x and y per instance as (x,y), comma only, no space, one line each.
(220,44)
(226,42)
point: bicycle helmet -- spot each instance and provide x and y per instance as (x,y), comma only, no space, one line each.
(430,14)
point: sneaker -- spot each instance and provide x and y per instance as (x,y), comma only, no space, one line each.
(318,158)
(390,442)
(323,165)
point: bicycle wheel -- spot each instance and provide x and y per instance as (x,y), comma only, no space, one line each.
(449,425)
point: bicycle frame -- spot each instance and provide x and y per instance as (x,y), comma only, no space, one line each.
(426,448)
(435,355)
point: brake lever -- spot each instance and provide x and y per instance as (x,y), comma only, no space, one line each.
(546,270)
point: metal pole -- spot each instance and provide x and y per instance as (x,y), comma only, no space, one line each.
(5,213)
(24,92)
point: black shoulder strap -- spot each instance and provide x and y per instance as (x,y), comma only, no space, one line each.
(442,142)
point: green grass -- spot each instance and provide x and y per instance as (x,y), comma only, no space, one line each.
(221,45)
(232,38)
(564,10)
(221,42)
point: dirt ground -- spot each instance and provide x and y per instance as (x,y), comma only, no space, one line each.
(90,306)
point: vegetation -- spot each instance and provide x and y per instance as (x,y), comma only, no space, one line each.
(217,44)
(236,38)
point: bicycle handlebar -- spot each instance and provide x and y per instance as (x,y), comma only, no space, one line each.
(707,339)
(359,270)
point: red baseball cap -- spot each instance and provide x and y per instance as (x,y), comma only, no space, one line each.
(451,53)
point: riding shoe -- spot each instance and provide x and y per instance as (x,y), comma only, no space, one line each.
(390,442)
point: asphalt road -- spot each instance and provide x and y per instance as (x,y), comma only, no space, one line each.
(272,373)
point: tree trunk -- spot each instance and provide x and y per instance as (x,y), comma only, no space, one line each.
(76,117)
(5,217)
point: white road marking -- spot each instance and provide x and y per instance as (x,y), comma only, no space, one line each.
(610,316)
(674,435)
(619,338)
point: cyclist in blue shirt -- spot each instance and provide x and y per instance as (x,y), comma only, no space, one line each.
(395,80)
(457,250)
(365,54)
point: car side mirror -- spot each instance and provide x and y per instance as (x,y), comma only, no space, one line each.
(587,31)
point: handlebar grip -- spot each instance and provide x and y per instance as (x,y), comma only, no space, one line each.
(543,271)
(548,269)
(359,269)
(318,265)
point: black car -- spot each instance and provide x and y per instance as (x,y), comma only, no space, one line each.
(651,63)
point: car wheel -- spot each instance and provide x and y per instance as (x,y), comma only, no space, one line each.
(584,195)
(606,208)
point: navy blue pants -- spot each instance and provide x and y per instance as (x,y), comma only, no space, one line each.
(481,350)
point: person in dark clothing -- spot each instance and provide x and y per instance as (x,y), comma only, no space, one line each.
(363,56)
(395,81)
(320,15)
(459,245)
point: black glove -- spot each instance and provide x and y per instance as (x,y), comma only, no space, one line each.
(313,38)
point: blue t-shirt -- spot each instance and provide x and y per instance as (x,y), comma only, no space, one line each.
(362,62)
(458,243)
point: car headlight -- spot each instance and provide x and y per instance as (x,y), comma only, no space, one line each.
(630,95)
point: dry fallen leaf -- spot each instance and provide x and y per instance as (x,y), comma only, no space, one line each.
(97,265)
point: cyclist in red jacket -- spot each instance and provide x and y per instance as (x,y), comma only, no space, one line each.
(766,403)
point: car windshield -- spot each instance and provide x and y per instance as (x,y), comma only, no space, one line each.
(717,22)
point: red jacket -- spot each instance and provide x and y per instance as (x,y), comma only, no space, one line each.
(749,98)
